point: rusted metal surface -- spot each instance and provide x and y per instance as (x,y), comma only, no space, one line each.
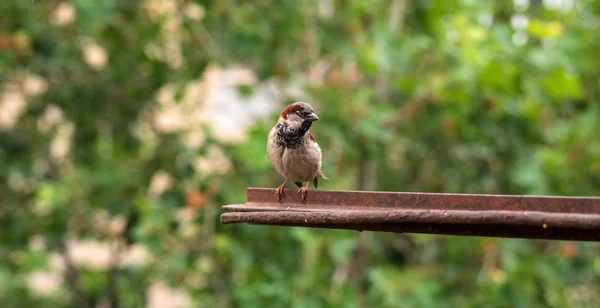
(541,217)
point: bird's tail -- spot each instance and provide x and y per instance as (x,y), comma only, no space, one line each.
(320,174)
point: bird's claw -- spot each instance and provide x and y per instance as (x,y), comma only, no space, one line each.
(279,193)
(303,190)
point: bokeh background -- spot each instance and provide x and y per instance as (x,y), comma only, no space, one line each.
(125,125)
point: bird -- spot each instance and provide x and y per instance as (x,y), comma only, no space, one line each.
(292,149)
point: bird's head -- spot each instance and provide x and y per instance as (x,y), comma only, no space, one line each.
(298,114)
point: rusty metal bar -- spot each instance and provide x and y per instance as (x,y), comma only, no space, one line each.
(539,217)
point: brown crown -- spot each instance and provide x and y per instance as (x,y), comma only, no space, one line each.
(291,109)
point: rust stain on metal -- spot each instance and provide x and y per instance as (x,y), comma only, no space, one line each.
(571,218)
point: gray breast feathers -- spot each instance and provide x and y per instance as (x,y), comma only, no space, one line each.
(300,163)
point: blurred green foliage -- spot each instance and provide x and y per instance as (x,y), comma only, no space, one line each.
(107,157)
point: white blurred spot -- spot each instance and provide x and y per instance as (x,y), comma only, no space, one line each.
(189,230)
(161,181)
(215,101)
(233,76)
(194,139)
(521,5)
(230,113)
(91,254)
(61,142)
(214,162)
(185,215)
(12,105)
(169,119)
(194,11)
(519,21)
(154,51)
(552,4)
(44,283)
(326,8)
(93,54)
(165,95)
(51,117)
(64,14)
(57,262)
(485,19)
(173,53)
(567,5)
(34,85)
(136,255)
(117,225)
(158,8)
(167,48)
(143,130)
(162,296)
(562,5)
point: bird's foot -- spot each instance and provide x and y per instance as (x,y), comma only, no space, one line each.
(279,192)
(303,190)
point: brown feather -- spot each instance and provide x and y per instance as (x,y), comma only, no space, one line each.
(311,136)
(290,109)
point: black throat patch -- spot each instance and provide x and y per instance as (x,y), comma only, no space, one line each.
(291,136)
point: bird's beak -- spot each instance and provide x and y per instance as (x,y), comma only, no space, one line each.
(312,117)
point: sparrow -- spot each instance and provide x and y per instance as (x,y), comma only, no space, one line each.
(293,150)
